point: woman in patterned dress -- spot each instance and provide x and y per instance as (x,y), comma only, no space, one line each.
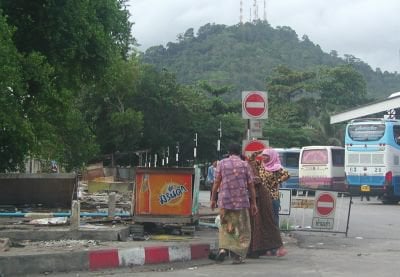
(269,174)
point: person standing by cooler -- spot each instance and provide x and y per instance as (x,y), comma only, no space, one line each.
(234,180)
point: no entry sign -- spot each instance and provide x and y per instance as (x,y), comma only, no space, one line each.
(254,105)
(324,210)
(251,146)
(325,204)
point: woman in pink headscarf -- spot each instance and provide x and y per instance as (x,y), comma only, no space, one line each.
(273,174)
(266,237)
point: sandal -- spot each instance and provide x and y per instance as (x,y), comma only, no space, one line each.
(238,260)
(221,256)
(270,253)
(281,252)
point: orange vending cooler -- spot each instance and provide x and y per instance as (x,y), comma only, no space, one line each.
(166,195)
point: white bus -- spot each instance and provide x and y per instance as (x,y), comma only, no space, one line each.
(322,168)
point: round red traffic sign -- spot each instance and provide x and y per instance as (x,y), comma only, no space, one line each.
(253,146)
(255,104)
(325,204)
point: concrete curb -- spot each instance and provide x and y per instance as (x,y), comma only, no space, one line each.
(93,260)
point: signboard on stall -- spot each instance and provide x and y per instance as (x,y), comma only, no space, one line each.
(163,192)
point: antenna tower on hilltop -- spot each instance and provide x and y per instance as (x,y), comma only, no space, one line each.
(255,6)
(241,12)
(265,11)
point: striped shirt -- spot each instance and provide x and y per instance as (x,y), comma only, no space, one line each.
(235,174)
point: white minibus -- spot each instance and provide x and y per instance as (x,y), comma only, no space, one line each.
(322,168)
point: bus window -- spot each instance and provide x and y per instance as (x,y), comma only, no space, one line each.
(396,133)
(366,132)
(292,159)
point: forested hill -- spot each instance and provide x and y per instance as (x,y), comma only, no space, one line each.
(244,55)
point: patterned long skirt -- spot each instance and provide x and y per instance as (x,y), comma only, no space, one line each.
(234,232)
(265,235)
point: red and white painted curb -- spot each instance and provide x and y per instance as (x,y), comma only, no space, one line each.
(113,258)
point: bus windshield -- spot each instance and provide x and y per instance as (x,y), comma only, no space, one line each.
(366,132)
(290,159)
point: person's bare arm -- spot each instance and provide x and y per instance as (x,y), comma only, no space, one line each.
(253,205)
(215,188)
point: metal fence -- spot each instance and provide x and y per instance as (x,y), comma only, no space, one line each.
(318,211)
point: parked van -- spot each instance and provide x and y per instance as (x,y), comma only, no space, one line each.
(322,168)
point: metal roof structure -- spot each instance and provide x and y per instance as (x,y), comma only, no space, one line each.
(391,103)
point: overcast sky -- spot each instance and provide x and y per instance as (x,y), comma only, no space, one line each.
(367,29)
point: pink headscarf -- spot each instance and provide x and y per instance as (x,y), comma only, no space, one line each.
(274,163)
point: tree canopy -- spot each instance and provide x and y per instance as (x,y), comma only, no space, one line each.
(74,89)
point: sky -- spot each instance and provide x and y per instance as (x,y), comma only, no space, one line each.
(366,29)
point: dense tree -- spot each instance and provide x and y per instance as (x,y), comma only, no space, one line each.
(244,54)
(341,88)
(72,90)
(15,129)
(58,48)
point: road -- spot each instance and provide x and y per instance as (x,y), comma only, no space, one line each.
(372,248)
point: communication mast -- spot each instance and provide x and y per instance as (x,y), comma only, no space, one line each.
(241,12)
(265,11)
(255,7)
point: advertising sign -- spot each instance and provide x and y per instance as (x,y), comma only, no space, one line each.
(163,193)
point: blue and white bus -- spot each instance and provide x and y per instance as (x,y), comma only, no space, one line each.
(372,158)
(290,160)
